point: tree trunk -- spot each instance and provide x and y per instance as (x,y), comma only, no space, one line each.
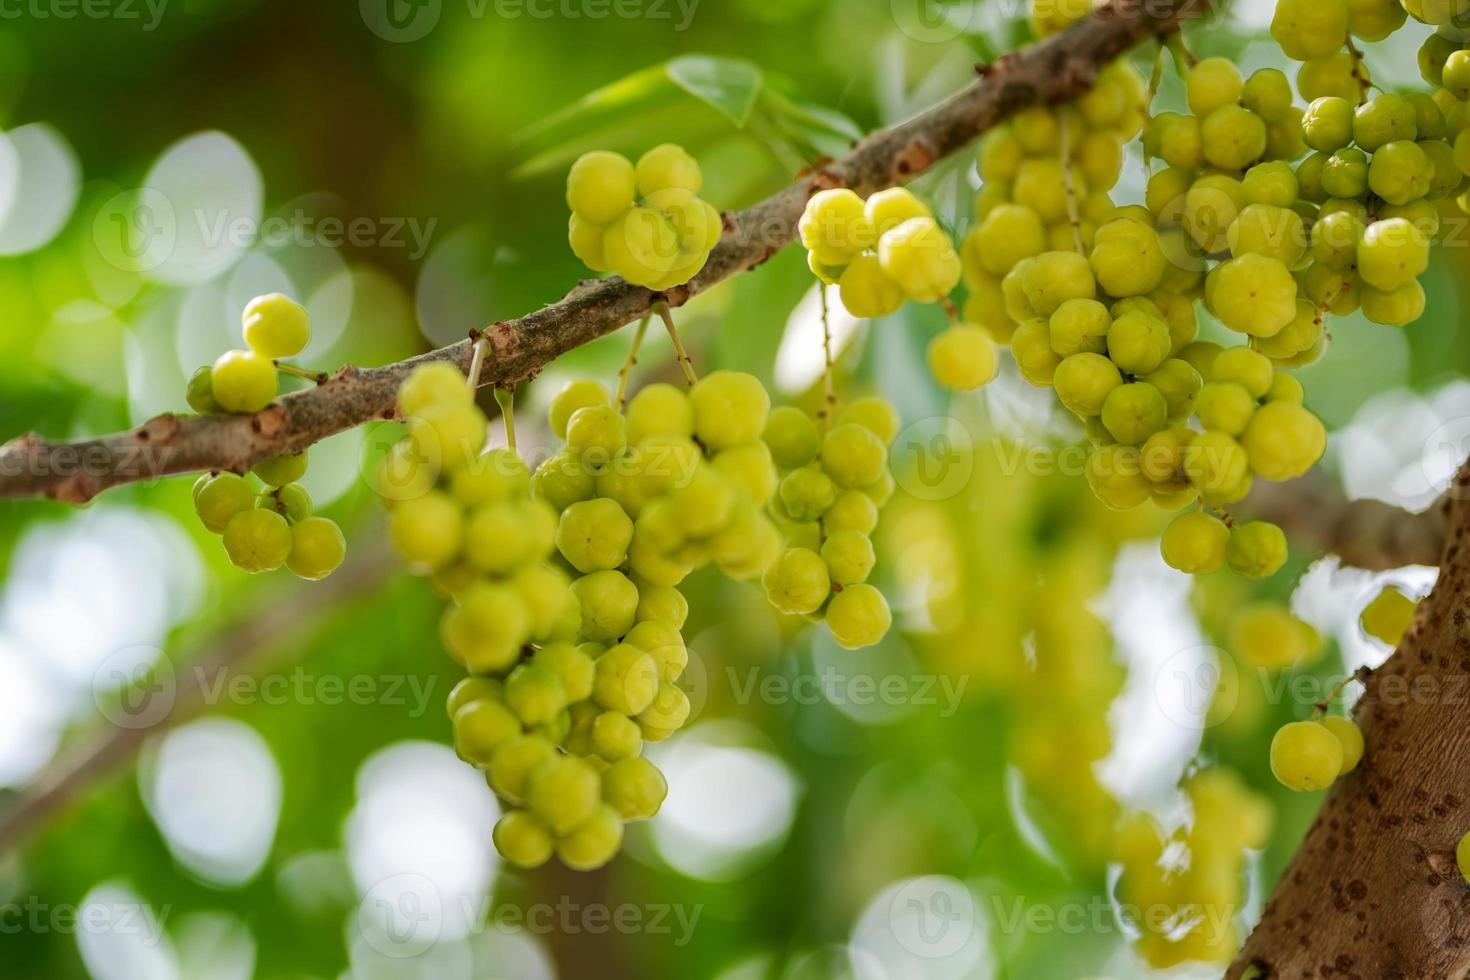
(1374,893)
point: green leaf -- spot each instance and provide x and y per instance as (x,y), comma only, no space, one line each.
(814,118)
(649,106)
(727,84)
(815,130)
(622,101)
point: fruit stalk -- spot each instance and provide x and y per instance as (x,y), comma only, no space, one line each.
(319,377)
(627,370)
(829,403)
(1065,153)
(662,309)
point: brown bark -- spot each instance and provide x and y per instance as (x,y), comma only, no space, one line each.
(1374,892)
(1367,534)
(1053,70)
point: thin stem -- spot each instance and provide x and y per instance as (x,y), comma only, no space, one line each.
(1325,307)
(1066,154)
(1155,79)
(950,310)
(829,406)
(1359,73)
(662,309)
(320,377)
(1184,58)
(506,399)
(1361,675)
(628,364)
(477,361)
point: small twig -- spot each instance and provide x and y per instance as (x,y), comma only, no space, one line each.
(1365,84)
(662,309)
(1155,79)
(320,377)
(1067,185)
(1184,58)
(1325,307)
(632,359)
(477,362)
(1360,675)
(829,405)
(506,399)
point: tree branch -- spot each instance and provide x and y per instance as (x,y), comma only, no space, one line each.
(1053,70)
(1374,890)
(1365,533)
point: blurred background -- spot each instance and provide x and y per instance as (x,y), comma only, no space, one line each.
(937,807)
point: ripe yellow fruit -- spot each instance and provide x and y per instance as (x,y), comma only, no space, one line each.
(1195,543)
(1306,756)
(920,258)
(867,291)
(834,227)
(962,358)
(600,186)
(276,326)
(244,381)
(1350,737)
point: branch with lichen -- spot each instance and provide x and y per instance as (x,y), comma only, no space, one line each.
(1054,70)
